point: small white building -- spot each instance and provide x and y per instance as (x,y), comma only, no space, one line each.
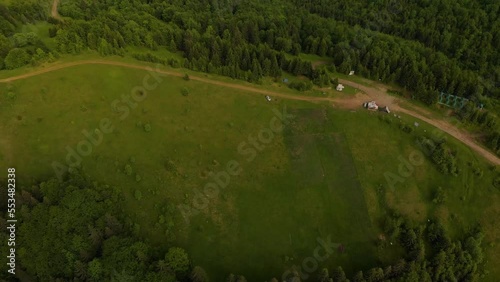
(340,87)
(351,73)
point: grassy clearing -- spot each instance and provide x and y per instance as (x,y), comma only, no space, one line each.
(41,29)
(198,133)
(312,181)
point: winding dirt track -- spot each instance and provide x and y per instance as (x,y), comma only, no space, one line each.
(54,13)
(353,103)
(392,102)
(164,72)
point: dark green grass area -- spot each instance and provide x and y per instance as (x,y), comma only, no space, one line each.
(282,215)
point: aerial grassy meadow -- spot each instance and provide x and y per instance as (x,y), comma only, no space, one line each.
(322,177)
(160,168)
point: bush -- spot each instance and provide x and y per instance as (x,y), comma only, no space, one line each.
(128,170)
(177,259)
(17,58)
(320,77)
(11,95)
(149,57)
(173,63)
(301,85)
(186,77)
(445,159)
(147,127)
(138,195)
(52,32)
(442,156)
(53,20)
(477,171)
(332,68)
(170,166)
(395,92)
(406,128)
(496,182)
(138,178)
(385,119)
(185,91)
(439,196)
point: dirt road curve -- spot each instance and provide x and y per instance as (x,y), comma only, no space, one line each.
(354,102)
(385,99)
(165,72)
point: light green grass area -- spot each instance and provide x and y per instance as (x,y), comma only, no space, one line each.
(321,177)
(41,29)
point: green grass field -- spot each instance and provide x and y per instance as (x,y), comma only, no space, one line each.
(321,177)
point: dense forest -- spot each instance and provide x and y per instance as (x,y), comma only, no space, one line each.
(75,230)
(379,39)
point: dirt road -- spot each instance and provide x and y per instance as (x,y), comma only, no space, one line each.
(165,72)
(384,99)
(54,13)
(352,102)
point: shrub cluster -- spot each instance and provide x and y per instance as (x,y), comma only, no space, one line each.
(301,85)
(441,155)
(149,57)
